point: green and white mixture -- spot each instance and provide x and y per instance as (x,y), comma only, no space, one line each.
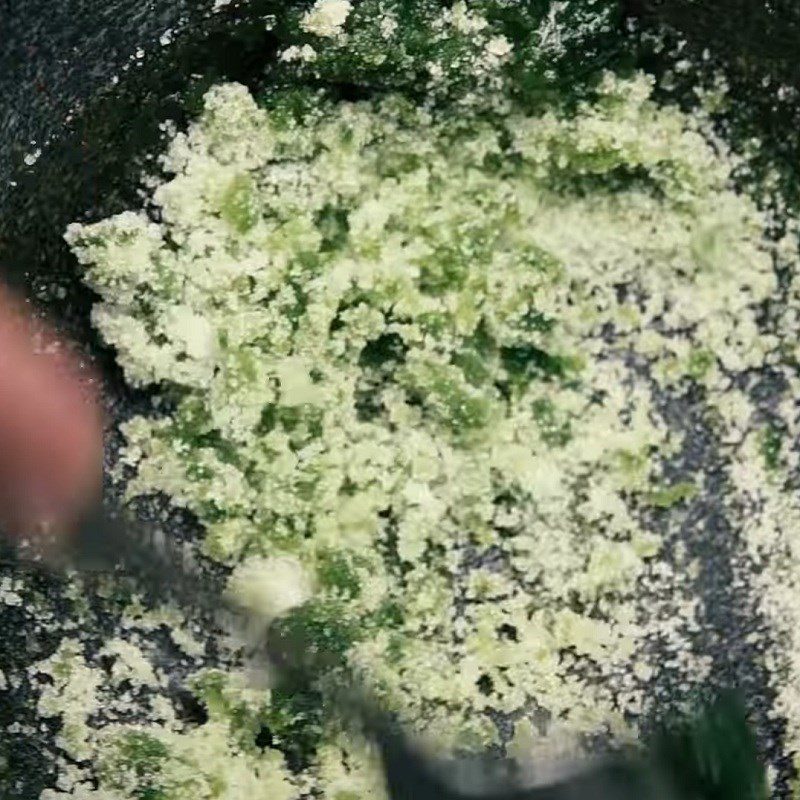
(412,360)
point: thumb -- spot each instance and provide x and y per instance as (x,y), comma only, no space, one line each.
(50,427)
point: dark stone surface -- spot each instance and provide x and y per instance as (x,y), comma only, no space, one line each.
(55,56)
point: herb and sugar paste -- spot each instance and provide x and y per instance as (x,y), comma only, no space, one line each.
(412,363)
